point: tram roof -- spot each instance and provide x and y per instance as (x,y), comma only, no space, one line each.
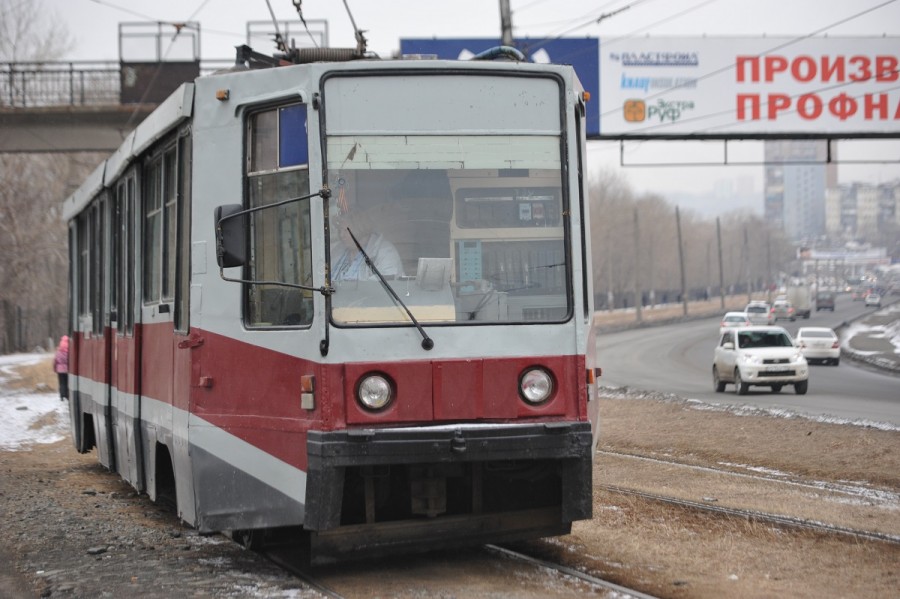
(174,109)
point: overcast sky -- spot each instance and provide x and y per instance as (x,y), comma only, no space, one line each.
(94,25)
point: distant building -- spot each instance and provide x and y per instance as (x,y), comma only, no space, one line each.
(797,177)
(862,210)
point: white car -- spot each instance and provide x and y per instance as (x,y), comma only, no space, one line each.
(873,299)
(819,343)
(759,313)
(759,356)
(732,320)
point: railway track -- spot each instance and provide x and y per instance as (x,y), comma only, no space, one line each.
(755,515)
(442,572)
(818,486)
(619,590)
(758,516)
(287,557)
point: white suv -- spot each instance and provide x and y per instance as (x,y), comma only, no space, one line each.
(761,356)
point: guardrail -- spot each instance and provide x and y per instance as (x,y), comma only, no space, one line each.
(73,83)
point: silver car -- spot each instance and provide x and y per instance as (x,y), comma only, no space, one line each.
(759,356)
(783,309)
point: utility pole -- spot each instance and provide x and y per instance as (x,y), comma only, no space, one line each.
(652,275)
(817,275)
(684,301)
(721,269)
(768,266)
(506,37)
(610,298)
(637,269)
(747,264)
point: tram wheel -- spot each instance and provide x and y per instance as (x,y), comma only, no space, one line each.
(249,539)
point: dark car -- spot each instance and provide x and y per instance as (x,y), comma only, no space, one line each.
(824,301)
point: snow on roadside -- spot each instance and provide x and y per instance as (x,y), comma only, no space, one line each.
(28,418)
(890,332)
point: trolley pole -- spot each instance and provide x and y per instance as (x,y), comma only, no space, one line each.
(505,23)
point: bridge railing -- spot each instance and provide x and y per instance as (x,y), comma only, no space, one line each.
(33,84)
(75,83)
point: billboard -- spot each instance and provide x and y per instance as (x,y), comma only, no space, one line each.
(706,86)
(720,87)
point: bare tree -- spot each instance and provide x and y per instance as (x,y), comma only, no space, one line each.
(29,33)
(33,239)
(611,198)
(757,262)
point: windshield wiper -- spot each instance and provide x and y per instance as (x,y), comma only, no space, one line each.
(427,342)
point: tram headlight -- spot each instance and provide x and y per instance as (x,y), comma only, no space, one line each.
(536,385)
(374,391)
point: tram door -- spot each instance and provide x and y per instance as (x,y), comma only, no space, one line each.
(124,395)
(89,346)
(157,259)
(162,339)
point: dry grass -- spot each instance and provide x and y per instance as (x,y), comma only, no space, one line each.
(37,377)
(802,447)
(713,307)
(676,552)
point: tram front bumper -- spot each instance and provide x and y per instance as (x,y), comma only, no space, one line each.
(567,445)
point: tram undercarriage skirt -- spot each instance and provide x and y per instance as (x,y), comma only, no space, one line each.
(567,445)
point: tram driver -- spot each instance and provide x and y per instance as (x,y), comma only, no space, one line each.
(350,264)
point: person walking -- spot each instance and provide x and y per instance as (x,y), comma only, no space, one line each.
(61,367)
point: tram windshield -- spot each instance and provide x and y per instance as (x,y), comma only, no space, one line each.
(466,229)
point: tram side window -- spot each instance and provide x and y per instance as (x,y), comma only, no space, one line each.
(89,278)
(182,291)
(100,249)
(96,267)
(125,270)
(113,229)
(83,254)
(160,213)
(152,230)
(277,170)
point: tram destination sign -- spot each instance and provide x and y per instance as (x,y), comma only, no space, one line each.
(581,53)
(720,86)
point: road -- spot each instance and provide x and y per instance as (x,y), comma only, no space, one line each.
(678,359)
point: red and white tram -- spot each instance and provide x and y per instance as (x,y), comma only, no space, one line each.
(426,379)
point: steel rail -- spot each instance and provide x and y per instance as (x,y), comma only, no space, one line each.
(282,560)
(625,591)
(833,487)
(757,516)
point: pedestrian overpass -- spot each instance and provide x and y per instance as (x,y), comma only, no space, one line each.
(83,106)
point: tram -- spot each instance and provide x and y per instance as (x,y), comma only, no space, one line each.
(345,302)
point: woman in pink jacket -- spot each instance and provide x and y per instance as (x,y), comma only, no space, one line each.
(61,367)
